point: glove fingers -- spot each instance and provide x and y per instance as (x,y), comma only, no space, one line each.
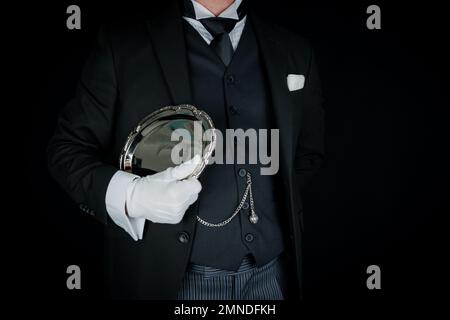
(188,187)
(192,199)
(185,169)
(164,197)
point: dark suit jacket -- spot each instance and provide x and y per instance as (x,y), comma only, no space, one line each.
(138,68)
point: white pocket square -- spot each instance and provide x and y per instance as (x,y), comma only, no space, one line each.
(295,81)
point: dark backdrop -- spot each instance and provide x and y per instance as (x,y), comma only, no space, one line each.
(382,195)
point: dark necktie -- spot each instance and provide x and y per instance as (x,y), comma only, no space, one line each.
(219,28)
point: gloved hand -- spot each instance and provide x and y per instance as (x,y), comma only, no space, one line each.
(164,197)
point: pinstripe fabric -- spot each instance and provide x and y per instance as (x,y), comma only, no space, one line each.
(249,282)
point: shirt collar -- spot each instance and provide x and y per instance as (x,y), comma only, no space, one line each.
(231,12)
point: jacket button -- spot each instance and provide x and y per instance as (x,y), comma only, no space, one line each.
(230,79)
(242,172)
(233,110)
(249,237)
(245,206)
(183,237)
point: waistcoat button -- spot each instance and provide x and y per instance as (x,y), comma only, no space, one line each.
(183,237)
(230,79)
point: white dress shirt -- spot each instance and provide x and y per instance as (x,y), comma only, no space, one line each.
(231,12)
(117,188)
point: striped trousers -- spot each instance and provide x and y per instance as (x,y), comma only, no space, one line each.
(249,282)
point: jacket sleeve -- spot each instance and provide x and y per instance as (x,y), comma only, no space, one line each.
(83,132)
(310,149)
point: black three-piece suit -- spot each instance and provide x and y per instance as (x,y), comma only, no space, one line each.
(139,67)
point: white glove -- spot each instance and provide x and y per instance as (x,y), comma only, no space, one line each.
(164,197)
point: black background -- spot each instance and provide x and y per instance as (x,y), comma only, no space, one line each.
(381,197)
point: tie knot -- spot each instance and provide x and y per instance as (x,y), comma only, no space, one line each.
(218,25)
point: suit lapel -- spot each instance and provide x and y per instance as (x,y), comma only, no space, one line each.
(166,32)
(275,61)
